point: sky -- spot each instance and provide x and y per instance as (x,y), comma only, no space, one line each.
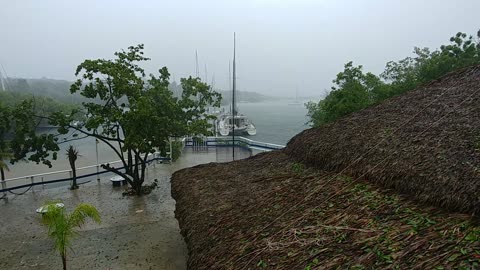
(282,45)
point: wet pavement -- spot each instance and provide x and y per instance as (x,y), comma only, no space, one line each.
(135,233)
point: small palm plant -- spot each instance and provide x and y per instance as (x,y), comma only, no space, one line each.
(61,225)
(72,155)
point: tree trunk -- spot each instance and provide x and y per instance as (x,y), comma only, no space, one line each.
(2,172)
(74,176)
(74,184)
(137,178)
(137,185)
(64,262)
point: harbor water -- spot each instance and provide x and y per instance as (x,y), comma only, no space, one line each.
(276,122)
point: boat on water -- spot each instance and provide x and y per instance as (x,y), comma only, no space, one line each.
(234,123)
(296,102)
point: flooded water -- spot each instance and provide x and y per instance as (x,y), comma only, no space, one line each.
(136,232)
(148,220)
(276,122)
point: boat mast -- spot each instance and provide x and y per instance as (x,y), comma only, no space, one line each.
(4,78)
(1,81)
(213,81)
(234,103)
(230,85)
(206,74)
(196,65)
(234,107)
(296,94)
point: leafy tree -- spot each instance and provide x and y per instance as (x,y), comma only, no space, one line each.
(136,115)
(61,225)
(20,115)
(72,156)
(355,90)
(4,128)
(18,137)
(429,65)
(26,144)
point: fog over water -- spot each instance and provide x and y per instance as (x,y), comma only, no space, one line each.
(281,44)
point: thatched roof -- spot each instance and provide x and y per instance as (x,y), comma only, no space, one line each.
(306,208)
(268,211)
(425,143)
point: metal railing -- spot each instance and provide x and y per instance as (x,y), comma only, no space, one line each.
(53,179)
(88,173)
(227,141)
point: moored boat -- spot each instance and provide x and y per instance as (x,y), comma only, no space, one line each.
(234,123)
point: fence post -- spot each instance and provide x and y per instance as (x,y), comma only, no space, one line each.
(96,153)
(31,180)
(171,149)
(43,186)
(4,186)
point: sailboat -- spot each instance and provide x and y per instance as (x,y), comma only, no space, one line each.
(296,102)
(233,122)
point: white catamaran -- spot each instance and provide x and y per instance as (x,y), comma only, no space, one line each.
(234,122)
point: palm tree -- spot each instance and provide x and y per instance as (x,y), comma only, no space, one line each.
(72,155)
(4,167)
(61,225)
(3,163)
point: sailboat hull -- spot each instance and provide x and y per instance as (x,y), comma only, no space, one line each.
(243,126)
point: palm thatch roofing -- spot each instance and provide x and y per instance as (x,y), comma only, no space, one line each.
(375,189)
(425,143)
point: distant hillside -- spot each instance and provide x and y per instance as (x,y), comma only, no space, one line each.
(60,90)
(244,96)
(56,89)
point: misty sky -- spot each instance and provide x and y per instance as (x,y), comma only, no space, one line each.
(281,44)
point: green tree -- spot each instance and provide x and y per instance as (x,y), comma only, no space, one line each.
(19,139)
(353,90)
(72,156)
(61,225)
(427,65)
(137,115)
(4,150)
(20,115)
(25,142)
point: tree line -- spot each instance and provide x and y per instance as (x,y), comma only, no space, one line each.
(355,89)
